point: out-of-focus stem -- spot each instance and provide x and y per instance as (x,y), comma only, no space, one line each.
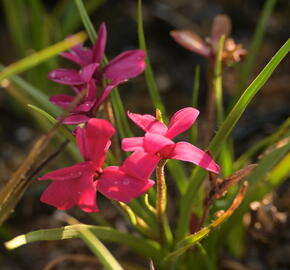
(164,228)
(115,143)
(210,108)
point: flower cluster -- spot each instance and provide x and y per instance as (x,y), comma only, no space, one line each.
(78,184)
(232,52)
(94,77)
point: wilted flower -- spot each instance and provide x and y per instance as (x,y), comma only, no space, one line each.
(232,52)
(98,80)
(78,184)
(157,142)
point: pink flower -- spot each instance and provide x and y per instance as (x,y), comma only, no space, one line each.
(78,184)
(158,143)
(232,52)
(92,76)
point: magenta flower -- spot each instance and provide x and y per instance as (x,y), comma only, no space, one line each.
(78,184)
(157,142)
(92,76)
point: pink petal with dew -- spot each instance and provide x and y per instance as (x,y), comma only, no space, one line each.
(79,55)
(65,76)
(87,72)
(100,44)
(84,107)
(120,186)
(58,194)
(187,152)
(181,121)
(94,140)
(148,123)
(153,143)
(65,194)
(62,101)
(191,41)
(140,164)
(75,119)
(125,66)
(133,144)
(69,173)
(106,92)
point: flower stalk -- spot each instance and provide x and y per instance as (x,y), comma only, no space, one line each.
(161,202)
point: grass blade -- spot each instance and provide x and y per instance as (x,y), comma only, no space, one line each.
(151,83)
(41,56)
(256,43)
(145,247)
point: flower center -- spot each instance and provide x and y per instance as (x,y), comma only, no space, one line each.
(98,174)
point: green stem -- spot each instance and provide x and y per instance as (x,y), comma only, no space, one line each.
(161,202)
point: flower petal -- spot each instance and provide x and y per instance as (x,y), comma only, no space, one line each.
(79,55)
(87,72)
(181,121)
(69,173)
(120,186)
(65,194)
(132,144)
(187,152)
(191,41)
(94,140)
(153,143)
(107,91)
(84,107)
(75,119)
(140,164)
(100,45)
(148,123)
(65,76)
(62,101)
(222,25)
(127,65)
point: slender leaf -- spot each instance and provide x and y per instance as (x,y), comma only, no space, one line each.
(53,121)
(257,40)
(147,248)
(195,91)
(34,94)
(41,56)
(150,80)
(86,21)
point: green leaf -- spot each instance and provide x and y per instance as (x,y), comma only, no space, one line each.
(195,91)
(257,40)
(86,21)
(148,248)
(274,137)
(53,121)
(15,21)
(34,94)
(150,80)
(41,56)
(222,134)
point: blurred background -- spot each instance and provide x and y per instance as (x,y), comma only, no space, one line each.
(27,26)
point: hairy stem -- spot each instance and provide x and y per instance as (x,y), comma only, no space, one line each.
(164,228)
